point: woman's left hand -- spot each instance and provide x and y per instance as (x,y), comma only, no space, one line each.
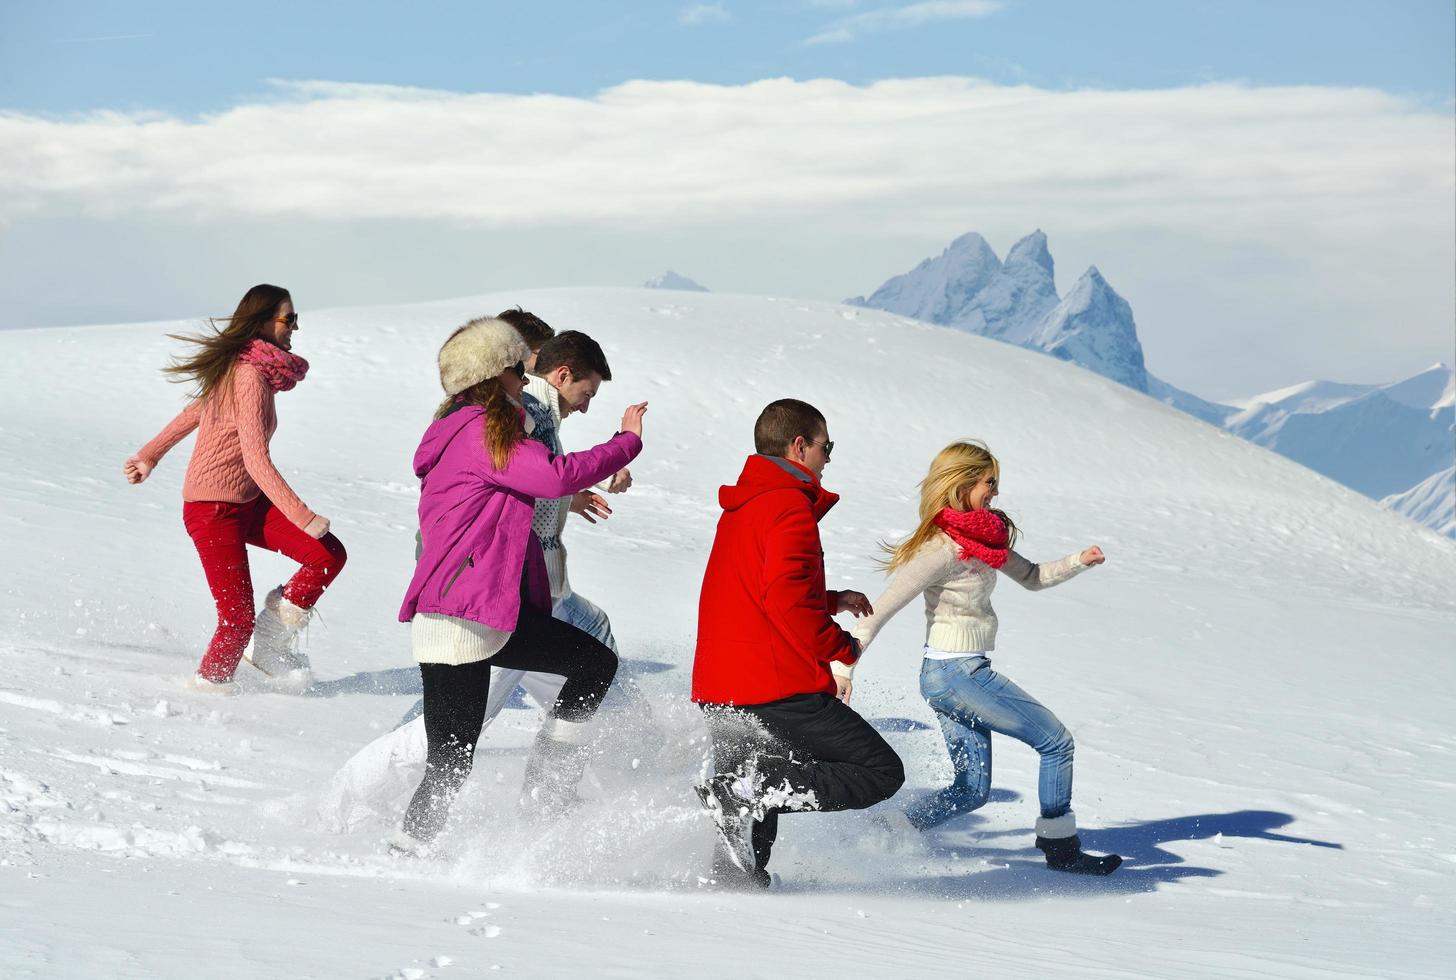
(1093,556)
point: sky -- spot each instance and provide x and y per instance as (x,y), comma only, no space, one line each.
(1269,185)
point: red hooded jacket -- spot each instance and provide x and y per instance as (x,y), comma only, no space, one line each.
(764,626)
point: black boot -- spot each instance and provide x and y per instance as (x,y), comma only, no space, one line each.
(727,876)
(1056,837)
(733,817)
(1065,854)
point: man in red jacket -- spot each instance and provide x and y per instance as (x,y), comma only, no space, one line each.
(783,741)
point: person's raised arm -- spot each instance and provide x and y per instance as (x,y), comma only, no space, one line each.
(1033,576)
(537,473)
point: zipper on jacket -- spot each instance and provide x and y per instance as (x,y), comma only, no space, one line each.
(469,562)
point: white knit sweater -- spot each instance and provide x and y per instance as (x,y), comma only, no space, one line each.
(958,613)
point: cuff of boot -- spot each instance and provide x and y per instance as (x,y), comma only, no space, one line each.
(1053,828)
(567,732)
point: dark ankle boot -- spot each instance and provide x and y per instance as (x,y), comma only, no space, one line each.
(1065,854)
(1056,837)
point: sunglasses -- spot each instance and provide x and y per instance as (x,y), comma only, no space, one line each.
(520,368)
(827,446)
(291,319)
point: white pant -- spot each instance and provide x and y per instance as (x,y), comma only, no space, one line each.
(372,769)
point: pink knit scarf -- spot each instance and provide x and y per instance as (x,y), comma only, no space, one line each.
(278,367)
(980,533)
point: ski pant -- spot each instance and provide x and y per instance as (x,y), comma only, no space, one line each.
(971,701)
(456,697)
(221,532)
(813,751)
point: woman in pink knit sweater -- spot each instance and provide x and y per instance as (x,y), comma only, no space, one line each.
(233,495)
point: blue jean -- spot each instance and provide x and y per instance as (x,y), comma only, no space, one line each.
(971,701)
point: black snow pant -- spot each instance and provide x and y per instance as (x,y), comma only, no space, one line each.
(455,699)
(814,746)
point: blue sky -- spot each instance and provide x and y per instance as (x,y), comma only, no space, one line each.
(60,56)
(1271,185)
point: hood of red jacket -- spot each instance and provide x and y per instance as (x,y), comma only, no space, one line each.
(764,474)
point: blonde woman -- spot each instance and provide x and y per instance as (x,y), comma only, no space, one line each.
(952,559)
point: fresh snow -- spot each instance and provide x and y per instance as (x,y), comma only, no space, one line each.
(1259,681)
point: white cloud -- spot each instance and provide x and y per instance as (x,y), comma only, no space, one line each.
(901,18)
(703,13)
(1227,159)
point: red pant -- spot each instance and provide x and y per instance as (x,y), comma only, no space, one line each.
(221,531)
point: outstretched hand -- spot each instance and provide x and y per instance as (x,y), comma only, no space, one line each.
(855,602)
(1093,556)
(632,418)
(592,506)
(136,469)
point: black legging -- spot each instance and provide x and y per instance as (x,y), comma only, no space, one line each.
(455,699)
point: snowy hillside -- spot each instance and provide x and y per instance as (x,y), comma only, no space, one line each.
(1431,502)
(1258,681)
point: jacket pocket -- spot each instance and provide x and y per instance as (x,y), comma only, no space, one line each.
(469,562)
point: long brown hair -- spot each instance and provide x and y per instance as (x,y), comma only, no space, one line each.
(503,425)
(212,362)
(957,466)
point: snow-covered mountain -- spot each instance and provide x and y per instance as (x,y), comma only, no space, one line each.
(1381,440)
(1093,325)
(1378,439)
(1016,301)
(671,280)
(1218,673)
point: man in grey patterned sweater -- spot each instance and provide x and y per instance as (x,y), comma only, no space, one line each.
(567,370)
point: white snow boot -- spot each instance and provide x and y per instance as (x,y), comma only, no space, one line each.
(206,685)
(274,647)
(558,760)
(403,844)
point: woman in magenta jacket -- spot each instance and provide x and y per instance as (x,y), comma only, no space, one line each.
(480,596)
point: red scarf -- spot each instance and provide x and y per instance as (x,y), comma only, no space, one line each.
(281,369)
(980,533)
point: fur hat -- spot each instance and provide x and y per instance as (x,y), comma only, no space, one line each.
(481,349)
